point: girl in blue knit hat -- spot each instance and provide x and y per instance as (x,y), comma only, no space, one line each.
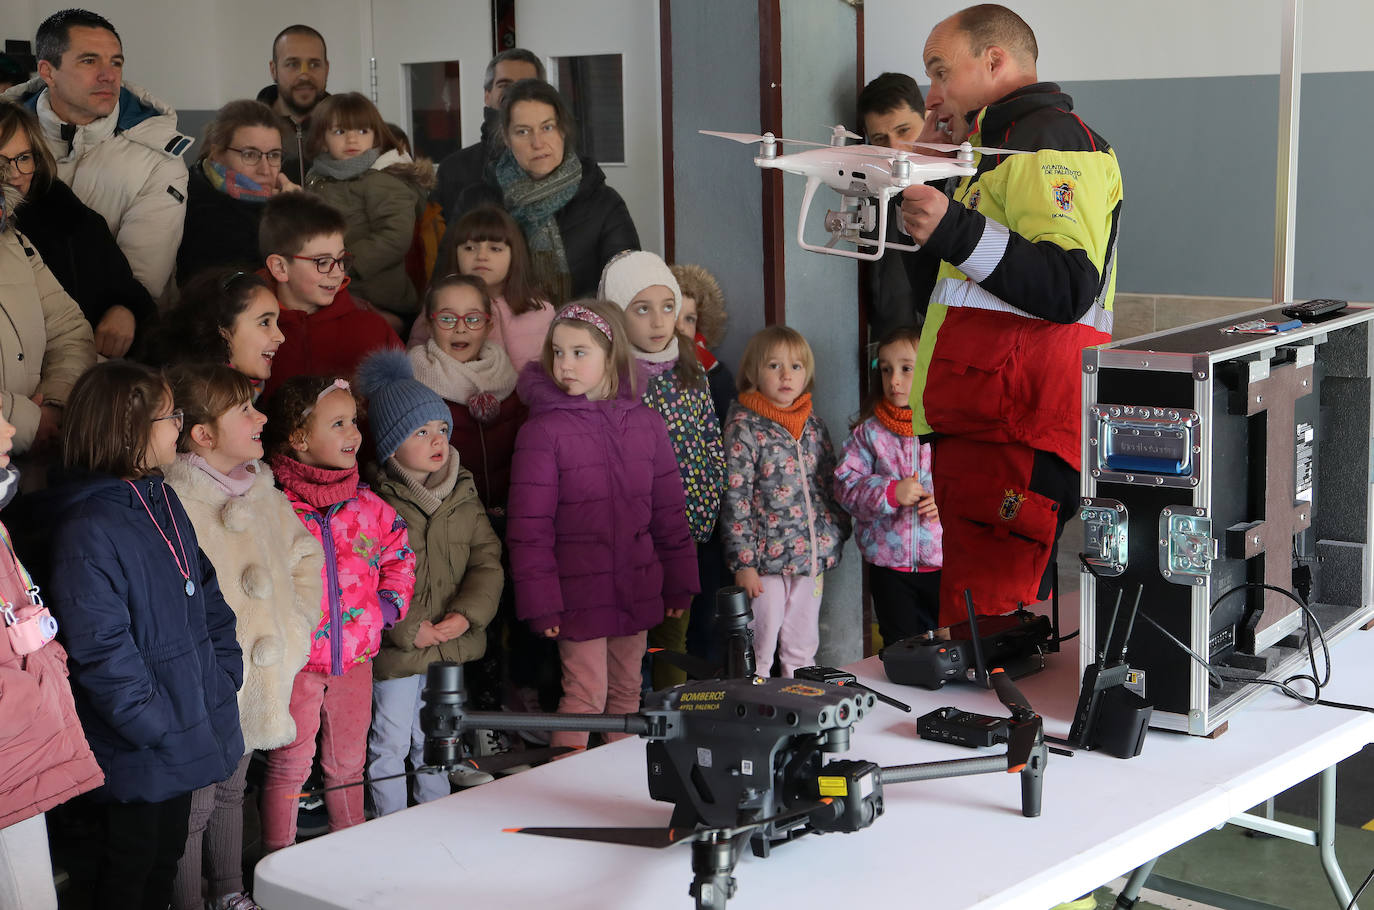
(458,576)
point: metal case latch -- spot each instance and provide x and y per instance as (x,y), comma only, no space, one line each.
(1186,545)
(1104,535)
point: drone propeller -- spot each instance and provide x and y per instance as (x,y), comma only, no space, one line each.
(766,137)
(1026,728)
(839,130)
(950,147)
(490,763)
(666,837)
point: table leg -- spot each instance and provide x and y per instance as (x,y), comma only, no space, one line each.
(1127,898)
(1326,837)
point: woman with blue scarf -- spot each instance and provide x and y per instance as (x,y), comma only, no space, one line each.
(238,171)
(573,220)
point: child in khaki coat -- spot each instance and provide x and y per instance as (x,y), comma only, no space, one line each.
(458,576)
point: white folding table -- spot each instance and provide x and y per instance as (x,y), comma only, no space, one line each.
(953,843)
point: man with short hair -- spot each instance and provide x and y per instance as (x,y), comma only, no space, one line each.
(893,114)
(116,146)
(465,167)
(300,74)
(1026,281)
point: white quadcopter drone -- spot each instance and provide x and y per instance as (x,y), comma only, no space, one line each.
(865,176)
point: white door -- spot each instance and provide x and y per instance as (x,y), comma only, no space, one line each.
(556,29)
(427,31)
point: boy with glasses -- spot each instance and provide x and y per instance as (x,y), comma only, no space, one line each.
(327,332)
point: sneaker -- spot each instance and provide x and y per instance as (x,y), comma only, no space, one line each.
(486,743)
(463,777)
(239,900)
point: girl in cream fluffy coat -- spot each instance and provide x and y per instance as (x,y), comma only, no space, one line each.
(269,566)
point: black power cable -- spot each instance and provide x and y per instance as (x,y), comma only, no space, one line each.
(1216,678)
(1363,885)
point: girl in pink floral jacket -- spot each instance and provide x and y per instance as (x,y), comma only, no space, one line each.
(369,576)
(885,483)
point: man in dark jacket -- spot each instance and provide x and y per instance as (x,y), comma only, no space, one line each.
(893,112)
(300,72)
(464,167)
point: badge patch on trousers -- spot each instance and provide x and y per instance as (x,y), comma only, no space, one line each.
(1011,505)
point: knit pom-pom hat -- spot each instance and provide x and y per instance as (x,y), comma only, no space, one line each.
(398,404)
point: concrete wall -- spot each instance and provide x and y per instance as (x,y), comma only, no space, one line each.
(1187,93)
(818,81)
(719,214)
(717,190)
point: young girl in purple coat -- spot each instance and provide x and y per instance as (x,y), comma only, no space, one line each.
(599,545)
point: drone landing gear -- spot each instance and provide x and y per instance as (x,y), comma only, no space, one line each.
(713,861)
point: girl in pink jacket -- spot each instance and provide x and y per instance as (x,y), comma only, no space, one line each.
(369,575)
(884,481)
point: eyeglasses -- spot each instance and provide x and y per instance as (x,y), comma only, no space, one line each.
(252,156)
(473,321)
(23,163)
(325,264)
(178,417)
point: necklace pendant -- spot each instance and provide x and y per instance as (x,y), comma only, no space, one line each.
(190,587)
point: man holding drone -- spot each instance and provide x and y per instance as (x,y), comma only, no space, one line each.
(1026,282)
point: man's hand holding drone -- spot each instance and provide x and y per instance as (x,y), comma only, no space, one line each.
(923,207)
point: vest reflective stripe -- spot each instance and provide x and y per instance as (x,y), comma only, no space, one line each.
(957,292)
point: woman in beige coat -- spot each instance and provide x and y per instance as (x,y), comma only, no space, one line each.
(45,341)
(269,569)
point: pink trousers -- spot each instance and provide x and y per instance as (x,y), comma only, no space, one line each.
(339,708)
(787,622)
(599,675)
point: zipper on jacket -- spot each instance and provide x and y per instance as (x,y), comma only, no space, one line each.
(486,474)
(915,513)
(300,152)
(331,571)
(806,497)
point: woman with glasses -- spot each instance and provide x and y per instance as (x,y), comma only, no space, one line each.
(74,240)
(238,171)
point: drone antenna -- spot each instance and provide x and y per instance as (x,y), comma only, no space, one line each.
(980,670)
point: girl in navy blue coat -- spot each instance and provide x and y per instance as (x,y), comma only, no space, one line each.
(154,663)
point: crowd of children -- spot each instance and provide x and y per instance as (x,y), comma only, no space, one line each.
(263,545)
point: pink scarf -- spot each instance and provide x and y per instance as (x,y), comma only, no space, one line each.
(318,487)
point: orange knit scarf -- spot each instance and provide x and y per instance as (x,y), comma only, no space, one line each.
(896,419)
(792,419)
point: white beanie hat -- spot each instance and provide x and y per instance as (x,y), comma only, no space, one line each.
(632,271)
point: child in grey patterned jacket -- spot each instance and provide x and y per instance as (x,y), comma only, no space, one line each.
(781,524)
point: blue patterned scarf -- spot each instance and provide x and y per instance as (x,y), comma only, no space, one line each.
(534,205)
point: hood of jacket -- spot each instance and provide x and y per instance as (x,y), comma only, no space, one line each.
(593,179)
(419,172)
(10,200)
(139,117)
(538,390)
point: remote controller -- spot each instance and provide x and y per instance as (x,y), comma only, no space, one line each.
(1313,309)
